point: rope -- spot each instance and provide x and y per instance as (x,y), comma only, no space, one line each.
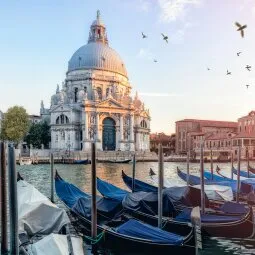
(95,240)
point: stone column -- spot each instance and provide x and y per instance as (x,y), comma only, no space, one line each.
(86,135)
(132,145)
(121,134)
(97,123)
(86,142)
(132,127)
(121,127)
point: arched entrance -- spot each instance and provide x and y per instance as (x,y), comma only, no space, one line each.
(109,134)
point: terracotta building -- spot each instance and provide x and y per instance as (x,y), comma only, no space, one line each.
(220,137)
(190,132)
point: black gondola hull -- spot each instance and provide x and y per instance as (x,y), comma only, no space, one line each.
(122,243)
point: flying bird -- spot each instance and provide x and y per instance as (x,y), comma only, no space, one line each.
(228,73)
(238,53)
(240,28)
(248,67)
(155,60)
(208,69)
(144,36)
(165,37)
(247,86)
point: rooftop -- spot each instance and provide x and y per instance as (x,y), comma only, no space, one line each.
(211,123)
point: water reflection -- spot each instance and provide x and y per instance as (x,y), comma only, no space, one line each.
(80,175)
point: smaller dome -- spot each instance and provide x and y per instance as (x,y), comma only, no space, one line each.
(98,22)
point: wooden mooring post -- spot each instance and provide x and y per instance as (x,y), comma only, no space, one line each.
(133,173)
(160,183)
(13,202)
(238,173)
(202,180)
(52,177)
(3,200)
(93,200)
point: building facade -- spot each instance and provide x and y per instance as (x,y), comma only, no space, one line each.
(95,103)
(221,138)
(190,132)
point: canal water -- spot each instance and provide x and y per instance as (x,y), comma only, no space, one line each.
(80,175)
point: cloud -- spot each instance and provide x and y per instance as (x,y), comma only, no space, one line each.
(144,5)
(145,53)
(158,94)
(178,36)
(171,10)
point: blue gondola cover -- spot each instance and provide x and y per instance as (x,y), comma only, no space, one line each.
(139,185)
(134,228)
(185,216)
(232,207)
(244,173)
(68,193)
(110,191)
(147,202)
(105,207)
(185,195)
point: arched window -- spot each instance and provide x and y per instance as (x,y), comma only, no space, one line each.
(62,119)
(99,92)
(107,92)
(143,124)
(75,95)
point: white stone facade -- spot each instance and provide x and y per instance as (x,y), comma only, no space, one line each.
(94,104)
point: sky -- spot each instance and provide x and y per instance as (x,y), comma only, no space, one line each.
(39,37)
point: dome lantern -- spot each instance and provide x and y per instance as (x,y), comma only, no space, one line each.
(97,31)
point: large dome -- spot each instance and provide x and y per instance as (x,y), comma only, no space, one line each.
(97,55)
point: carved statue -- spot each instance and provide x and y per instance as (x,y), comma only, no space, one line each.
(92,119)
(92,133)
(96,97)
(81,95)
(42,105)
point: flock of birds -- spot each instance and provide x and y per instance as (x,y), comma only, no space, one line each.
(240,28)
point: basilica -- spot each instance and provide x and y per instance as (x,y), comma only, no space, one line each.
(95,104)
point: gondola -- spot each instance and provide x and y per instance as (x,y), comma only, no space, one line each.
(213,192)
(245,188)
(82,161)
(233,221)
(251,169)
(247,185)
(120,230)
(175,199)
(243,173)
(115,161)
(138,185)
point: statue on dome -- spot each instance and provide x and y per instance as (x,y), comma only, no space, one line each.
(57,90)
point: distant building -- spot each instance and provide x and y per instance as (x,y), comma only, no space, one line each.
(220,137)
(167,141)
(34,119)
(189,132)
